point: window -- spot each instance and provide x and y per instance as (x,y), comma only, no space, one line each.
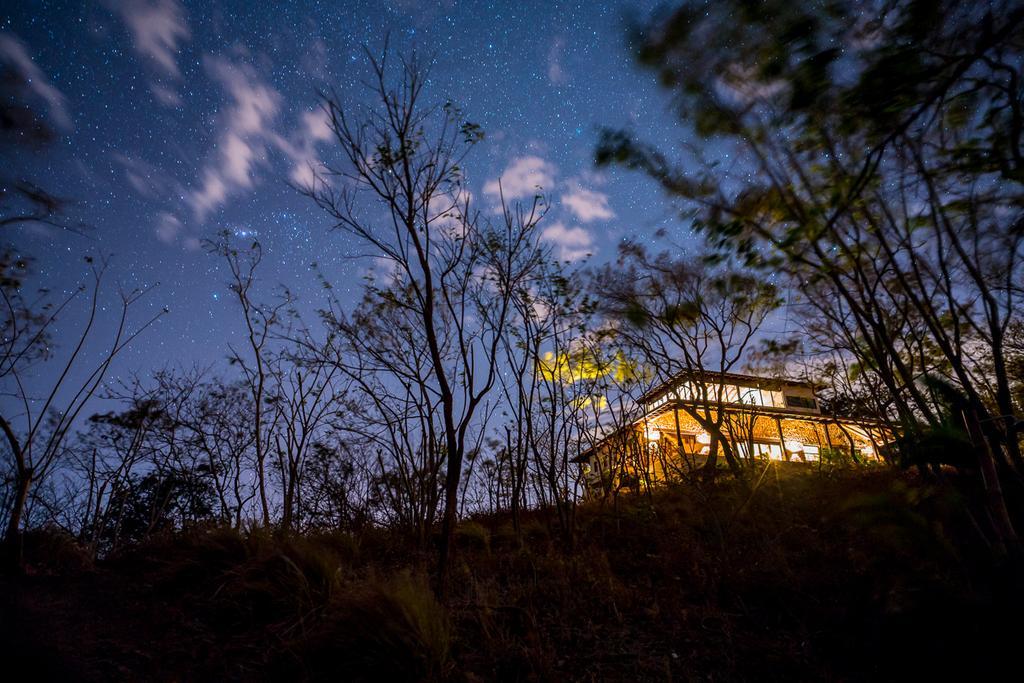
(750,396)
(801,402)
(685,391)
(770,451)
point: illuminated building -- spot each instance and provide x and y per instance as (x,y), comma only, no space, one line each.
(761,418)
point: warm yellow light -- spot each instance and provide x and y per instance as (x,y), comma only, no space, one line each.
(653,434)
(794,446)
(703,438)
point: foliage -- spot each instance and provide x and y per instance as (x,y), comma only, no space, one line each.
(875,165)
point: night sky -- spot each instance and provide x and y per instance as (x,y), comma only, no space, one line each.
(179,120)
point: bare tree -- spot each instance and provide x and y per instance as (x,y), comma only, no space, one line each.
(219,423)
(559,388)
(46,419)
(389,409)
(261,323)
(453,270)
(303,398)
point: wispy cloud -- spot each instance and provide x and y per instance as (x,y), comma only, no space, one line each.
(524,177)
(247,128)
(156,26)
(571,243)
(171,230)
(301,147)
(168,227)
(250,130)
(556,74)
(587,205)
(14,53)
(147,180)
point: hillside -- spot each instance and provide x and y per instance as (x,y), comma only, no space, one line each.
(849,576)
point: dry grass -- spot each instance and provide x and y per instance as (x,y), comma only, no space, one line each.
(853,575)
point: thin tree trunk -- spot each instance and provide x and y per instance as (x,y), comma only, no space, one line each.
(1007,543)
(12,537)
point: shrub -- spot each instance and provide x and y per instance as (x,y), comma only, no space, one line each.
(535,532)
(391,630)
(505,536)
(833,459)
(51,550)
(473,536)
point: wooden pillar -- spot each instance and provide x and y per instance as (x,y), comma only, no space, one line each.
(679,437)
(782,439)
(874,443)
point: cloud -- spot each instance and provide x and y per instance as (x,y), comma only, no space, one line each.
(301,148)
(250,129)
(247,129)
(382,270)
(572,243)
(165,95)
(147,180)
(445,212)
(171,230)
(156,27)
(587,205)
(15,54)
(168,227)
(556,74)
(524,177)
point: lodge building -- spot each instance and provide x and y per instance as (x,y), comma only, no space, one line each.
(765,418)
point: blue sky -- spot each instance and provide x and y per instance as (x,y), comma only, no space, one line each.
(178,120)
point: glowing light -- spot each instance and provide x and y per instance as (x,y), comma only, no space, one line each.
(585,364)
(653,434)
(703,438)
(794,446)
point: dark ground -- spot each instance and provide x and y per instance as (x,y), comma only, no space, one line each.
(848,576)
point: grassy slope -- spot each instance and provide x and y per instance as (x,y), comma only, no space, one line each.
(866,575)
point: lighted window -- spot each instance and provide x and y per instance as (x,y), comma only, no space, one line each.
(769,450)
(751,397)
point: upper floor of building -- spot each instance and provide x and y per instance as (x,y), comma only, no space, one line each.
(734,389)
